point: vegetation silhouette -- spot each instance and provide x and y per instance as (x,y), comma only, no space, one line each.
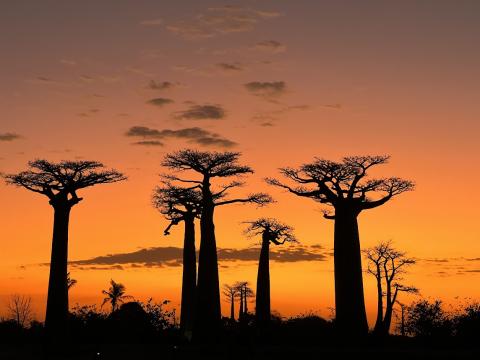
(343,186)
(210,165)
(277,233)
(231,293)
(179,204)
(116,295)
(387,265)
(60,183)
(244,293)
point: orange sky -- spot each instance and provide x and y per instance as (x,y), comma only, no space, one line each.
(358,78)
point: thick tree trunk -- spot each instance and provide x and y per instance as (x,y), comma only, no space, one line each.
(245,299)
(351,318)
(208,314)
(387,320)
(57,298)
(379,323)
(240,308)
(189,279)
(262,300)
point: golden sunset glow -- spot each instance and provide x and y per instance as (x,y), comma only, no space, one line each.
(282,82)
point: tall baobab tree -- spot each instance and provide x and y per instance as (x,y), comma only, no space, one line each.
(231,293)
(115,295)
(59,182)
(272,231)
(210,165)
(345,188)
(387,265)
(177,205)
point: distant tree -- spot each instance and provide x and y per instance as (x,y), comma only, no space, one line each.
(177,205)
(343,187)
(70,282)
(272,231)
(210,165)
(20,309)
(427,319)
(231,293)
(387,265)
(60,183)
(245,292)
(115,295)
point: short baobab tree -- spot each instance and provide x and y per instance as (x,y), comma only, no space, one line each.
(115,295)
(345,188)
(244,293)
(209,166)
(59,182)
(178,204)
(272,231)
(231,293)
(387,265)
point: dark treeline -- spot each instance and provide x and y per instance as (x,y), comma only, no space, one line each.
(194,185)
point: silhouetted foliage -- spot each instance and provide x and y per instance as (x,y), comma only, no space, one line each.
(343,186)
(245,292)
(115,295)
(387,265)
(210,165)
(59,182)
(428,319)
(272,231)
(20,309)
(231,293)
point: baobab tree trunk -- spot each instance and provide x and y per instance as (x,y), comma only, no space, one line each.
(245,299)
(57,298)
(379,322)
(262,300)
(208,313)
(232,308)
(189,278)
(240,308)
(351,318)
(389,309)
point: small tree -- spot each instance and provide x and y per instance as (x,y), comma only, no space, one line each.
(343,186)
(272,231)
(231,293)
(427,319)
(388,265)
(245,292)
(115,295)
(209,166)
(59,182)
(177,205)
(20,309)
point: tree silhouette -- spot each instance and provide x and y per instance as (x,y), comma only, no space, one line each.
(245,292)
(343,186)
(115,295)
(179,204)
(60,183)
(272,231)
(20,309)
(210,165)
(231,293)
(387,265)
(70,282)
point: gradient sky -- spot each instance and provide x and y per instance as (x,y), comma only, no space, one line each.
(327,79)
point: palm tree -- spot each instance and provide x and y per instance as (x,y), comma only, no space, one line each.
(115,295)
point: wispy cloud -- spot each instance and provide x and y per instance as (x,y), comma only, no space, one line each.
(196,135)
(202,112)
(160,102)
(220,20)
(8,136)
(266,89)
(270,46)
(172,256)
(151,22)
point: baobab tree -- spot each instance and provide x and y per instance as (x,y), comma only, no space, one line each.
(387,265)
(344,187)
(231,293)
(178,205)
(272,231)
(244,292)
(59,182)
(210,165)
(115,295)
